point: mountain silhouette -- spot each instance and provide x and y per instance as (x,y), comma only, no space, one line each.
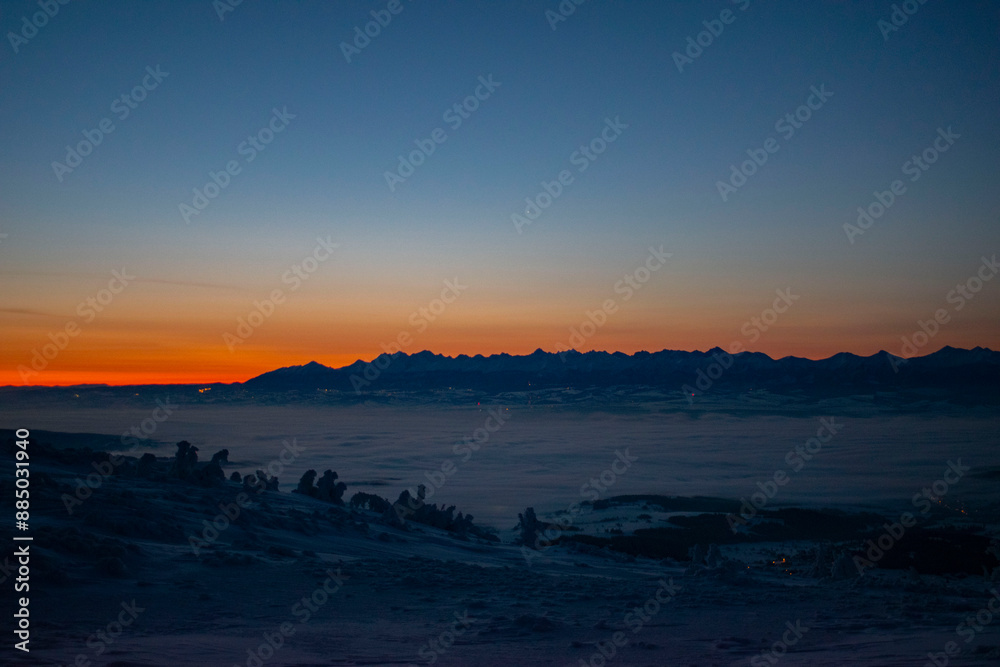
(951,369)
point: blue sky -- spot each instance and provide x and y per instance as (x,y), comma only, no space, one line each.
(655,184)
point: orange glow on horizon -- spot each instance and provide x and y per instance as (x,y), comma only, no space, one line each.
(116,374)
(151,372)
(184,355)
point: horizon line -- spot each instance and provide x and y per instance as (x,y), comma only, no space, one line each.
(536,351)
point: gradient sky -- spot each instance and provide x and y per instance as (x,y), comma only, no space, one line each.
(323,176)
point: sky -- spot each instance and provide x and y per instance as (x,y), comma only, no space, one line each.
(595,187)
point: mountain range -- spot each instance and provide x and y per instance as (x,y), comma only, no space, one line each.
(949,369)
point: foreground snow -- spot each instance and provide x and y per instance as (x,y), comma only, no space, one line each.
(164,572)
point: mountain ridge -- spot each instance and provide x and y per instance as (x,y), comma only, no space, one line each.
(698,371)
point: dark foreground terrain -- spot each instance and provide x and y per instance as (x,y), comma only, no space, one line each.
(148,561)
